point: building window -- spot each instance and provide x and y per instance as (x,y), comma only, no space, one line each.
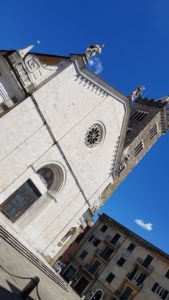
(69,273)
(153,131)
(138,115)
(126,294)
(115,238)
(139,277)
(97,295)
(103,228)
(20,200)
(91,238)
(94,135)
(107,252)
(167,274)
(81,285)
(94,267)
(83,254)
(158,290)
(131,247)
(110,277)
(121,261)
(138,148)
(96,242)
(147,261)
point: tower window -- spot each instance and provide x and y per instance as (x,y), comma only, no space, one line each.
(20,200)
(138,115)
(138,148)
(153,131)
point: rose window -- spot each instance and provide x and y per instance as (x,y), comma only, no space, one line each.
(94,135)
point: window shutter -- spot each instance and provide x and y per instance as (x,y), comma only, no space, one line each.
(165,294)
(154,287)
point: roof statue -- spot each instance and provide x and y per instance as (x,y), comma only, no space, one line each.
(93,50)
(136,93)
(26,50)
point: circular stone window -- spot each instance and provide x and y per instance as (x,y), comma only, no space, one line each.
(94,135)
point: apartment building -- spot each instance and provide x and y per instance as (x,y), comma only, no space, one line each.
(113,263)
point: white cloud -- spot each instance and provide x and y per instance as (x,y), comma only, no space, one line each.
(96,65)
(146,226)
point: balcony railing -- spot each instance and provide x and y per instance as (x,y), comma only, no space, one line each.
(147,268)
(87,268)
(103,256)
(133,282)
(112,243)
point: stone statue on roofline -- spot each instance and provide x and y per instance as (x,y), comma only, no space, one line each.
(93,50)
(136,93)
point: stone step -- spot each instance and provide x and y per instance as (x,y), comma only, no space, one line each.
(29,255)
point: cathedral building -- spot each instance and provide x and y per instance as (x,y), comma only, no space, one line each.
(67,141)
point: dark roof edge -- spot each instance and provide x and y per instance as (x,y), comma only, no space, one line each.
(142,240)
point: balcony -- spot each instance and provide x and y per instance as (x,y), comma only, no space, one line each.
(103,256)
(87,268)
(116,295)
(147,268)
(136,285)
(109,241)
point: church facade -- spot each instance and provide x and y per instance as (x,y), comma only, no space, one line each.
(67,140)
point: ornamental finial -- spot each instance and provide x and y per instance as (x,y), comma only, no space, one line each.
(24,51)
(93,50)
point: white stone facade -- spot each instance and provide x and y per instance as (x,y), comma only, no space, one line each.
(52,109)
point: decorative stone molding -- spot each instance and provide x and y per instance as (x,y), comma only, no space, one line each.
(4,98)
(95,206)
(30,70)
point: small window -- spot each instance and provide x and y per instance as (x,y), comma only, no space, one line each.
(20,200)
(138,148)
(147,261)
(96,242)
(121,261)
(138,115)
(91,238)
(83,254)
(104,228)
(153,131)
(167,274)
(115,238)
(131,247)
(110,277)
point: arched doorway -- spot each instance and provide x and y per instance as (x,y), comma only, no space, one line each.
(97,295)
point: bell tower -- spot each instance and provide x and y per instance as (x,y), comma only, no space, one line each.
(148,121)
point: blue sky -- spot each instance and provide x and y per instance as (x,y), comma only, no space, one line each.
(136,38)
